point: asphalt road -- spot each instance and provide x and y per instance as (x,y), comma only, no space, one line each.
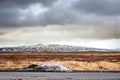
(58,76)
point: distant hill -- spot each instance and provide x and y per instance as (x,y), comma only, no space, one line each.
(51,48)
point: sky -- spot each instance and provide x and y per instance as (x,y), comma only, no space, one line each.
(89,23)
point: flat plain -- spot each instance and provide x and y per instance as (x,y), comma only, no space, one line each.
(77,61)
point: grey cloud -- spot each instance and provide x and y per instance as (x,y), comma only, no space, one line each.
(59,16)
(59,12)
(9,17)
(100,7)
(25,3)
(10,11)
(61,31)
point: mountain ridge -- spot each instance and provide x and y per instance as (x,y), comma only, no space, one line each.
(52,48)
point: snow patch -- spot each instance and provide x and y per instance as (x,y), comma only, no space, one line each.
(58,66)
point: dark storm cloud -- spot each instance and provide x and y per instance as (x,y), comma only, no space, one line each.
(10,11)
(100,7)
(59,16)
(9,17)
(14,13)
(88,12)
(25,3)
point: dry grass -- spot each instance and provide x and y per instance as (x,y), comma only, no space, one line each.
(73,61)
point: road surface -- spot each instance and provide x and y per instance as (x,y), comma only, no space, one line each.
(58,76)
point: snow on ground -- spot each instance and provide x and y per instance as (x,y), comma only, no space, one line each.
(60,67)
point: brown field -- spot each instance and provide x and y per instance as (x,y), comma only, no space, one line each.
(86,61)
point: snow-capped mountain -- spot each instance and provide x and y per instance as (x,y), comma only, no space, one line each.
(50,48)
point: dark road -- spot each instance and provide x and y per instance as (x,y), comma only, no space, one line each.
(58,76)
